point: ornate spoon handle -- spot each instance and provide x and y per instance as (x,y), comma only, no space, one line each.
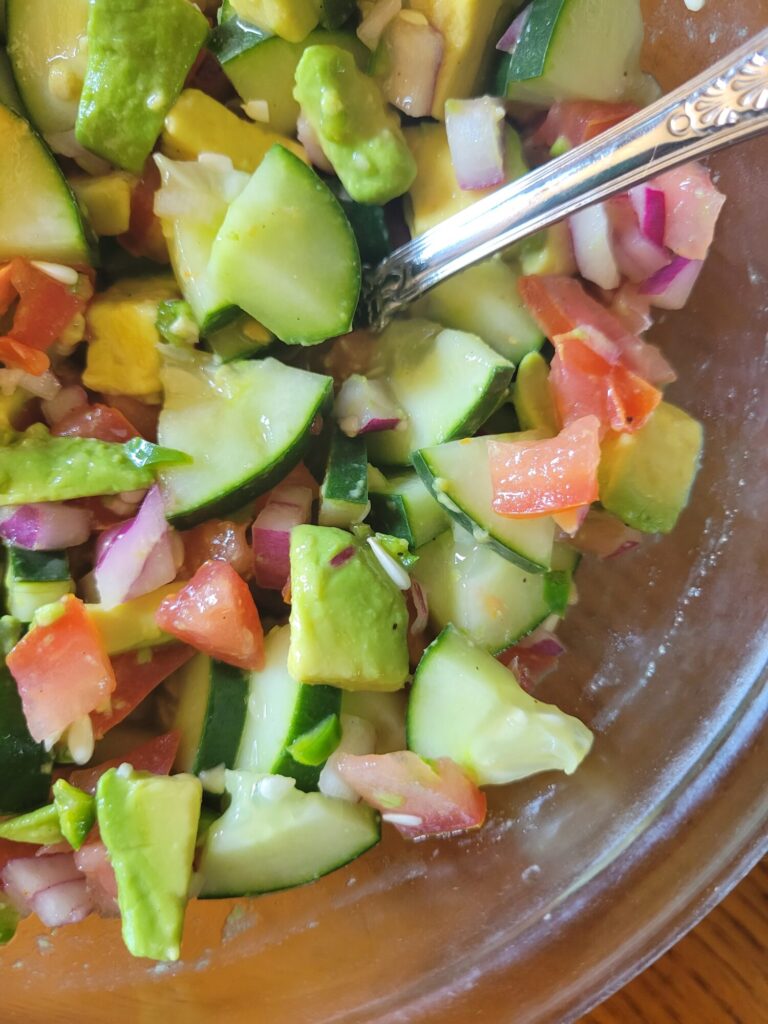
(726,104)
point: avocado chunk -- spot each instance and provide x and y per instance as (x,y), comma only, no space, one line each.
(358,133)
(139,55)
(132,624)
(292,20)
(645,478)
(149,825)
(37,467)
(349,621)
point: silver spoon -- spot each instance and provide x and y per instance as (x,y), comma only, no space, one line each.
(728,103)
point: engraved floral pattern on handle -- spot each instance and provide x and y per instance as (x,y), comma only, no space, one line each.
(740,94)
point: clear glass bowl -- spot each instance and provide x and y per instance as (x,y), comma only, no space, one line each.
(575,884)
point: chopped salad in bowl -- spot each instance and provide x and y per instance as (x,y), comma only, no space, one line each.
(273,581)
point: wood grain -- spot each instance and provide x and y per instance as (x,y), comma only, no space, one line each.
(718,974)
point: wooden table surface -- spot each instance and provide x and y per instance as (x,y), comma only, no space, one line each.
(718,974)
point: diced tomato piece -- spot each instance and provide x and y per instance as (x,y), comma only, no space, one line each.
(537,478)
(216,613)
(419,799)
(7,291)
(219,539)
(97,421)
(138,673)
(527,665)
(139,414)
(145,234)
(560,305)
(570,520)
(62,671)
(604,535)
(19,356)
(156,755)
(45,308)
(578,121)
(632,308)
(585,383)
(693,207)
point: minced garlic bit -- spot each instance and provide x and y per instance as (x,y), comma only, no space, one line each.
(80,740)
(390,565)
(58,271)
(257,110)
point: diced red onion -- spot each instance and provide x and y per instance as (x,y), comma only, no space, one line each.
(365,406)
(65,402)
(343,557)
(93,861)
(308,138)
(604,535)
(510,39)
(287,507)
(28,876)
(45,526)
(63,904)
(650,205)
(44,385)
(66,144)
(593,246)
(637,256)
(476,130)
(138,557)
(421,606)
(544,642)
(415,54)
(671,287)
(370,29)
(693,206)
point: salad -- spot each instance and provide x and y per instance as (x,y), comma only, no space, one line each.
(274,582)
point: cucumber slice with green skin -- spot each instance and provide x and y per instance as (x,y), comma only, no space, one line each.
(448,383)
(47,49)
(263,67)
(467,706)
(577,49)
(244,338)
(25,767)
(265,842)
(245,425)
(190,238)
(484,300)
(210,701)
(281,713)
(405,508)
(344,494)
(384,711)
(532,396)
(287,255)
(9,920)
(39,216)
(470,585)
(369,224)
(33,579)
(333,13)
(458,476)
(9,96)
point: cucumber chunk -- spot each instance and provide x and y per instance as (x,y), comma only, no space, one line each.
(47,49)
(245,425)
(467,706)
(275,837)
(25,767)
(447,382)
(287,255)
(484,300)
(209,700)
(577,49)
(458,476)
(39,215)
(403,507)
(33,579)
(281,712)
(344,494)
(532,396)
(9,95)
(495,601)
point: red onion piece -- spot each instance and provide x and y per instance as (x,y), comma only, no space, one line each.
(63,904)
(67,400)
(343,557)
(693,205)
(415,54)
(371,28)
(510,39)
(308,138)
(543,641)
(671,287)
(93,861)
(45,526)
(605,536)
(650,205)
(421,607)
(28,876)
(364,406)
(593,246)
(638,257)
(476,130)
(288,506)
(139,557)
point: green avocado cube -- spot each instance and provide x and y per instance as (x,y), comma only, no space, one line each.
(645,478)
(149,825)
(349,621)
(358,132)
(139,55)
